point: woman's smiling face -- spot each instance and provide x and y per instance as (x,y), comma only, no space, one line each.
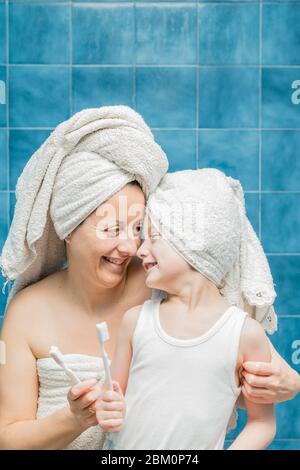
(104,244)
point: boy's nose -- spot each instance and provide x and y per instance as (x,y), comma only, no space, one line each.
(142,251)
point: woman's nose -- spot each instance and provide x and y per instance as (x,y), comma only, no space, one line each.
(128,246)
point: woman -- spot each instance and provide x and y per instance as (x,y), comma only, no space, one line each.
(70,205)
(80,197)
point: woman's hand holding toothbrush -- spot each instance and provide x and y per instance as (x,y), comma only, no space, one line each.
(82,400)
(111,408)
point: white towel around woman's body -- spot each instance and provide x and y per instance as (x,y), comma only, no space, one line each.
(54,386)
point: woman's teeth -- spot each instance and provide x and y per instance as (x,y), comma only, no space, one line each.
(113,261)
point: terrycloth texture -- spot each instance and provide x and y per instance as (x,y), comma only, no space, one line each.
(201,213)
(86,160)
(54,386)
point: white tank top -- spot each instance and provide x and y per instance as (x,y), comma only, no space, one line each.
(180,393)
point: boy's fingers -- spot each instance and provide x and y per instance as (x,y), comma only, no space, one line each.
(113,405)
(111,423)
(109,405)
(108,415)
(109,395)
(117,388)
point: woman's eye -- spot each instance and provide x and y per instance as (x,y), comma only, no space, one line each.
(112,230)
(139,230)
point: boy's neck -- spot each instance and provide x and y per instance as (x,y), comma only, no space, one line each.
(195,297)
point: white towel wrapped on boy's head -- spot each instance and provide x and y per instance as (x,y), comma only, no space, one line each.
(201,213)
(85,161)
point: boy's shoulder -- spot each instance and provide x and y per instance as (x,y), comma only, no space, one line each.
(129,320)
(131,316)
(254,343)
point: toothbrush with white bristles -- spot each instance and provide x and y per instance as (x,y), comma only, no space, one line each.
(103,336)
(57,355)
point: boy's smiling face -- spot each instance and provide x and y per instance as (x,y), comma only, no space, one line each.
(163,265)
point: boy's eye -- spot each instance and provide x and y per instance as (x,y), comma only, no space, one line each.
(154,236)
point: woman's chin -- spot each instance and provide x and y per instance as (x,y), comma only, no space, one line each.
(110,276)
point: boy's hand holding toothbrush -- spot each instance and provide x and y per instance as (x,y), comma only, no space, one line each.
(111,408)
(90,404)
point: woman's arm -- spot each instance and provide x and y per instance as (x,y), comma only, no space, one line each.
(19,428)
(261,424)
(270,382)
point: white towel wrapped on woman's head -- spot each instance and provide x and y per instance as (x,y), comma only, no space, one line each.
(202,214)
(85,161)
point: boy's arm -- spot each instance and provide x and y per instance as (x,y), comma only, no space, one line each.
(261,424)
(121,360)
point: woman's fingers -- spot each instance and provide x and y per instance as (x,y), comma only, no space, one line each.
(259,368)
(81,388)
(260,381)
(257,400)
(90,398)
(82,399)
(256,393)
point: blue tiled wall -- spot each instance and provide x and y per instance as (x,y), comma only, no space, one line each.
(219,84)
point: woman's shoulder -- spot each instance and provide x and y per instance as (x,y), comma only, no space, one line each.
(32,300)
(42,287)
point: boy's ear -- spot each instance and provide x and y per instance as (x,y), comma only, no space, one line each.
(67,238)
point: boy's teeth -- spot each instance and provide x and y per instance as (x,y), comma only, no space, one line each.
(150,265)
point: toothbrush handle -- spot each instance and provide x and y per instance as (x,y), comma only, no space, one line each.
(74,379)
(107,369)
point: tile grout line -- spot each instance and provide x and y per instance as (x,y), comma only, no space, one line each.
(260,123)
(134,68)
(183,129)
(288,315)
(7,117)
(71,57)
(197,86)
(195,66)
